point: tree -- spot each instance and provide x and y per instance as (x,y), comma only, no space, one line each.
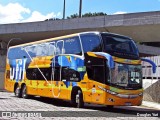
(87,15)
(94,14)
(73,16)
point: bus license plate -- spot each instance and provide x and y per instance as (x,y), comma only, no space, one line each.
(128,104)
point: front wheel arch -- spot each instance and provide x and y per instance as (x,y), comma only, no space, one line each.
(76,91)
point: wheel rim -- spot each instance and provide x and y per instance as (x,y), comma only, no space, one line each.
(24,92)
(77,98)
(17,91)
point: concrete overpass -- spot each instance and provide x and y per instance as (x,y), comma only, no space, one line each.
(142,27)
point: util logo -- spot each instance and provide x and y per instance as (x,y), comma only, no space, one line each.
(17,70)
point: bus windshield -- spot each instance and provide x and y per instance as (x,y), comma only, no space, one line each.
(128,76)
(120,46)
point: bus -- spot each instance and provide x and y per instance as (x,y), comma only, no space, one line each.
(89,67)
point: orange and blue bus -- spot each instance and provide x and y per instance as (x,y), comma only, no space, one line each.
(89,67)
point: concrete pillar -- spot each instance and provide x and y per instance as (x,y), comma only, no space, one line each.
(1,80)
(151,90)
(2,70)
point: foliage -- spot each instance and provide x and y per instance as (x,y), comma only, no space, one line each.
(93,14)
(87,15)
(73,16)
(77,16)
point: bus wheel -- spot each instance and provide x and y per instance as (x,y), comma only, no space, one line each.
(24,92)
(77,99)
(17,91)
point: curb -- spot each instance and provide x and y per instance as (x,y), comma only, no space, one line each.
(151,104)
(3,90)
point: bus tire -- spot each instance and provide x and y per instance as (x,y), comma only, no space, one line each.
(17,91)
(24,92)
(77,99)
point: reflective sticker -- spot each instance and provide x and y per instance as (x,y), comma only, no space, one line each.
(80,69)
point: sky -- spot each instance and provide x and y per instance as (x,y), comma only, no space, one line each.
(18,11)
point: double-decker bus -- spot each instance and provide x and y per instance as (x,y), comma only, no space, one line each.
(88,67)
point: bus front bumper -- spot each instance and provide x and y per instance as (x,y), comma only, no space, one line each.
(124,100)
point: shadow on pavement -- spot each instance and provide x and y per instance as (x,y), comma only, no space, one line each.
(4,98)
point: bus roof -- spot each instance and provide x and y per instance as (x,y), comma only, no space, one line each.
(66,36)
(45,40)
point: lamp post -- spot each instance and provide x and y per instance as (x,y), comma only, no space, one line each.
(80,8)
(64,8)
(11,40)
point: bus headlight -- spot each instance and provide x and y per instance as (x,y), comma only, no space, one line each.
(108,91)
(111,92)
(127,96)
(122,96)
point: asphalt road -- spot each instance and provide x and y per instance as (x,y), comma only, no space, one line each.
(37,107)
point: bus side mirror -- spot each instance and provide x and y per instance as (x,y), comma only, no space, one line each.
(152,63)
(109,58)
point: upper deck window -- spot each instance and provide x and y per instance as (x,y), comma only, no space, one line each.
(72,46)
(62,46)
(120,46)
(91,43)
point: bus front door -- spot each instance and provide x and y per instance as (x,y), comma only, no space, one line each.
(96,73)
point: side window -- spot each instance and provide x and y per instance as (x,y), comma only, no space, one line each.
(91,42)
(56,47)
(72,46)
(38,50)
(41,49)
(52,49)
(31,50)
(60,47)
(34,74)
